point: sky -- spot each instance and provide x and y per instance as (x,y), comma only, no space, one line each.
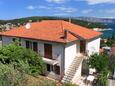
(11,9)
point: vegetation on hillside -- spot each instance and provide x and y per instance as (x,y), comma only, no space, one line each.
(22,58)
(37,18)
(16,62)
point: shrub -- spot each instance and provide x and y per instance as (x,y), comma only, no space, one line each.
(102,78)
(48,83)
(10,76)
(69,84)
(112,63)
(26,59)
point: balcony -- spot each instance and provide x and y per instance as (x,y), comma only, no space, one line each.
(51,61)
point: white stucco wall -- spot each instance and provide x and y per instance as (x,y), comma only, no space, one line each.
(57,49)
(70,53)
(92,46)
(6,40)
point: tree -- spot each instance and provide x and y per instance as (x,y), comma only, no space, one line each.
(99,62)
(112,63)
(102,78)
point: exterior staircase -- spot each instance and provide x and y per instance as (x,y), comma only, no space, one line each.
(72,69)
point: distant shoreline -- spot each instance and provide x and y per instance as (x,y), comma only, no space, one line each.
(102,29)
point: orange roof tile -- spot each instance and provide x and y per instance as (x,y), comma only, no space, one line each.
(52,30)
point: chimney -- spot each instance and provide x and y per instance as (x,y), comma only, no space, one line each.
(69,20)
(65,34)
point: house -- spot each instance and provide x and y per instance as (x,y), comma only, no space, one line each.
(59,42)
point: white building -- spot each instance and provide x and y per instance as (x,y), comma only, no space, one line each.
(60,43)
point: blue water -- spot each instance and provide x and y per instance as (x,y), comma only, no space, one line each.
(109,33)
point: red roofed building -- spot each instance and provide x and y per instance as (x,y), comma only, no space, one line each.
(59,42)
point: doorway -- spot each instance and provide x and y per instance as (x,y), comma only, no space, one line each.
(82,46)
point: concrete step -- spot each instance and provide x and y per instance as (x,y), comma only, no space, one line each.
(72,70)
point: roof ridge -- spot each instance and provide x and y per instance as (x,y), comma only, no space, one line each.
(62,27)
(75,35)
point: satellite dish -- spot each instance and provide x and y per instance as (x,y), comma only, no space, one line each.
(28,26)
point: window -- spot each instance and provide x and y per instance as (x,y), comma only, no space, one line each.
(17,41)
(14,39)
(32,45)
(49,67)
(35,46)
(29,44)
(0,37)
(57,69)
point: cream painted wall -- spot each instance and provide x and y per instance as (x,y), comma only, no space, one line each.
(93,46)
(57,49)
(6,40)
(70,53)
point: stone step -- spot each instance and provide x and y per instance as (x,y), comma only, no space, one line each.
(68,77)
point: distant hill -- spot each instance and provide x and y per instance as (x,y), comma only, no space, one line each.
(96,20)
(79,21)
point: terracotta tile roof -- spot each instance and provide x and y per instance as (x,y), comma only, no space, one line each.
(52,30)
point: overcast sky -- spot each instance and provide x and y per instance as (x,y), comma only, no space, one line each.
(10,9)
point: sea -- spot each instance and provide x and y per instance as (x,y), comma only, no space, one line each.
(111,30)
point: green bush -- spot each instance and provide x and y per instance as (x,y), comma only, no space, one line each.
(48,83)
(69,84)
(102,78)
(112,63)
(21,57)
(10,76)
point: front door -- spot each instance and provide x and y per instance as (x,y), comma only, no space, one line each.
(48,51)
(82,46)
